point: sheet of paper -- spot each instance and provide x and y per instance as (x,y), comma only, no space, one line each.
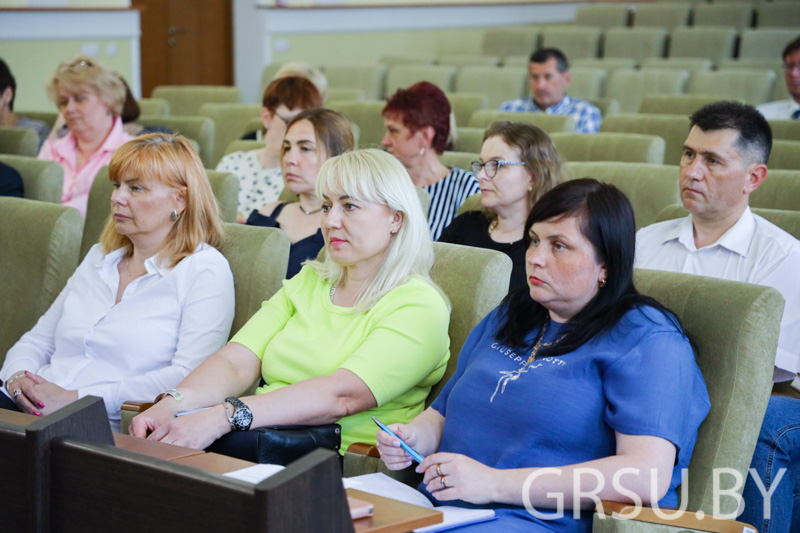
(383,485)
(256,473)
(456,516)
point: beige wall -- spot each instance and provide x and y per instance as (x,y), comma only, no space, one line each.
(33,63)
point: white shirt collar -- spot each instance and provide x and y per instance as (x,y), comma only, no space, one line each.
(737,239)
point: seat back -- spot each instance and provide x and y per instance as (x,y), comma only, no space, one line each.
(230,121)
(39,248)
(629,87)
(780,190)
(464,104)
(606,106)
(676,104)
(587,82)
(509,41)
(463,60)
(407,59)
(226,190)
(365,114)
(788,221)
(785,155)
(345,93)
(785,130)
(765,43)
(185,100)
(548,123)
(258,258)
(154,106)
(692,64)
(475,280)
(18,141)
(498,84)
(609,64)
(662,14)
(707,42)
(43,180)
(781,15)
(469,139)
(459,159)
(635,43)
(735,328)
(48,117)
(752,87)
(738,15)
(672,128)
(604,16)
(650,188)
(196,128)
(368,78)
(574,41)
(605,146)
(404,76)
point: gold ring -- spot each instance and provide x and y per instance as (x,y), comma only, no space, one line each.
(444,485)
(439,470)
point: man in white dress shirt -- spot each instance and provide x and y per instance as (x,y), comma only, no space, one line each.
(789,108)
(724,160)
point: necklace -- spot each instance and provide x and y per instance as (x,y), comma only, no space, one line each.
(513,375)
(493,226)
(313,212)
(128,270)
(333,291)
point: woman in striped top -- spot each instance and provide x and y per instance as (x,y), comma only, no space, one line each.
(417,123)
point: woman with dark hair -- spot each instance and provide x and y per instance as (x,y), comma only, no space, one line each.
(576,373)
(312,137)
(259,171)
(417,123)
(519,163)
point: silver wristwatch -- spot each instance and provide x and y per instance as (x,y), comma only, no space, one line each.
(242,416)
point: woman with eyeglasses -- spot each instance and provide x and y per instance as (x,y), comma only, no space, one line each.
(417,123)
(519,164)
(90,97)
(259,171)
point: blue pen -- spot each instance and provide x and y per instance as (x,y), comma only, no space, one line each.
(409,450)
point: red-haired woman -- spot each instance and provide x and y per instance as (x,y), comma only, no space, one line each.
(259,171)
(417,123)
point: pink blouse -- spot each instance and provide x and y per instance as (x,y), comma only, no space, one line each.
(78,181)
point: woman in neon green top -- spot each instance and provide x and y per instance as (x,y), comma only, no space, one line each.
(361,333)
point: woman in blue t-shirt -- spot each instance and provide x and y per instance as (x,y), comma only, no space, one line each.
(575,384)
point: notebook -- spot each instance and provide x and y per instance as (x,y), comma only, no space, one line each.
(383,485)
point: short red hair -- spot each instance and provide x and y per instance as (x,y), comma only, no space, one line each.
(423,104)
(295,92)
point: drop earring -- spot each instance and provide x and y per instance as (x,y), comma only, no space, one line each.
(422,151)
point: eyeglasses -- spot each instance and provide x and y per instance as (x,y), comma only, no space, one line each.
(492,166)
(788,67)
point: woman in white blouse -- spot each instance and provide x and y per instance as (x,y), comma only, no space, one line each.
(149,302)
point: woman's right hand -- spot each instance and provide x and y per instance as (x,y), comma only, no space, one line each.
(145,423)
(392,455)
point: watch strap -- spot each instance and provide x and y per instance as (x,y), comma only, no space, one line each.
(238,406)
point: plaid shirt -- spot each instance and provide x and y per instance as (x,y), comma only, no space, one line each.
(587,117)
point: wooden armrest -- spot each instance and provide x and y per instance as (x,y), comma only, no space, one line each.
(136,407)
(688,519)
(362,448)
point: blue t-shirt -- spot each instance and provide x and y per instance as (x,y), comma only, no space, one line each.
(639,378)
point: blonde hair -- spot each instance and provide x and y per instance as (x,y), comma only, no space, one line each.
(376,177)
(169,159)
(85,71)
(304,70)
(536,150)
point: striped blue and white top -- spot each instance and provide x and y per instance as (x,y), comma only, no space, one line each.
(447,196)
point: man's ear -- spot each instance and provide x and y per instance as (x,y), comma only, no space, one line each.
(568,77)
(8,94)
(755,177)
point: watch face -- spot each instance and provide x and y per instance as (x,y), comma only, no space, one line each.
(242,418)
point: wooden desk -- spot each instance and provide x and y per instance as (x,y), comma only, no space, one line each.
(390,516)
(151,448)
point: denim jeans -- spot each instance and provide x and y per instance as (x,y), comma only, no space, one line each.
(778,447)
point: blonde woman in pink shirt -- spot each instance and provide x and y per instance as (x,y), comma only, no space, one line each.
(90,97)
